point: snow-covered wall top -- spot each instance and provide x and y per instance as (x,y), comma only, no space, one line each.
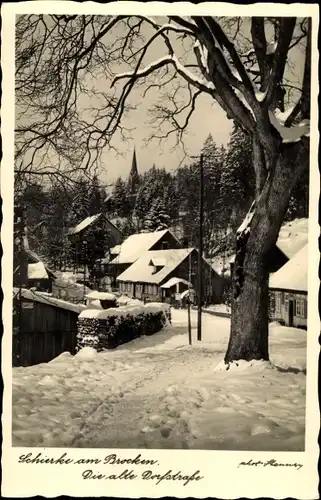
(124,311)
(95,295)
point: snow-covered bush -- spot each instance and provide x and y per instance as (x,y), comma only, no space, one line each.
(107,329)
(106,299)
(164,307)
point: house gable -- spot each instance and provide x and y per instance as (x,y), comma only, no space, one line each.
(167,241)
(144,270)
(137,244)
(293,275)
(97,222)
(174,263)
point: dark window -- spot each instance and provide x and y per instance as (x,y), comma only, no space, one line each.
(272,303)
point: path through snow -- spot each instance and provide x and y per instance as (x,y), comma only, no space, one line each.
(158,392)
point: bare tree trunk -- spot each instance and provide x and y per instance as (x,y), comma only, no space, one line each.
(249,323)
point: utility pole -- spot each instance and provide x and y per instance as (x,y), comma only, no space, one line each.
(85,263)
(200,252)
(189,299)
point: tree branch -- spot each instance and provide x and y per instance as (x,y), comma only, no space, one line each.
(260,46)
(303,105)
(285,33)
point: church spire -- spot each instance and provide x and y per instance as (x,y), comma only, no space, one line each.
(133,180)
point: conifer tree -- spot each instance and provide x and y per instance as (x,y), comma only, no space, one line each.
(119,198)
(157,218)
(238,178)
(96,197)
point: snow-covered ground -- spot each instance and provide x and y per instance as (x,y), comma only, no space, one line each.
(219,308)
(159,392)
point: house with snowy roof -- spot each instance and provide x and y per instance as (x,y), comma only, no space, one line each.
(123,255)
(79,231)
(92,238)
(292,238)
(30,271)
(162,275)
(289,291)
(40,277)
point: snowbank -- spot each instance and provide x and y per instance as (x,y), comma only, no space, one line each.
(87,354)
(220,308)
(241,365)
(94,304)
(123,300)
(95,295)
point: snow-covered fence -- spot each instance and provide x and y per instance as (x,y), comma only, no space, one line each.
(107,329)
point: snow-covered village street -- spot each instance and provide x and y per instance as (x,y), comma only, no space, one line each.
(159,392)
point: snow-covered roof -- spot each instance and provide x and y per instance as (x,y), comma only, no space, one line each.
(33,258)
(294,274)
(189,291)
(175,281)
(142,271)
(37,271)
(135,245)
(293,236)
(115,250)
(51,301)
(83,224)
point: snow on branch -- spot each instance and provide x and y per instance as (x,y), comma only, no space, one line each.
(246,224)
(286,29)
(163,61)
(201,55)
(289,134)
(224,61)
(223,42)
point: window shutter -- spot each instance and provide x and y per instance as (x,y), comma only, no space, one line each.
(295,308)
(305,308)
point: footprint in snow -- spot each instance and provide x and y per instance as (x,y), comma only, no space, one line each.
(165,432)
(174,413)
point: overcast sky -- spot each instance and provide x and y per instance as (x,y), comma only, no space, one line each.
(207,119)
